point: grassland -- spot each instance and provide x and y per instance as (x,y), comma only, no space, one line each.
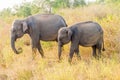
(22,67)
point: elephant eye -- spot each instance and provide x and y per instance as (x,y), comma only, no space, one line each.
(60,39)
(13,30)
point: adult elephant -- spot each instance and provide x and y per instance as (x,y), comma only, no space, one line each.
(88,34)
(39,27)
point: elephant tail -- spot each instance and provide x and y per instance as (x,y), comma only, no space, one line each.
(103,49)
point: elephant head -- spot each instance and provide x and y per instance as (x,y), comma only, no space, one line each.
(19,28)
(64,37)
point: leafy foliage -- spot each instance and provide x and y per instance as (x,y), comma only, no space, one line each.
(6,12)
(24,10)
(108,1)
(29,8)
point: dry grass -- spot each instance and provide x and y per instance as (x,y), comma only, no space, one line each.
(22,67)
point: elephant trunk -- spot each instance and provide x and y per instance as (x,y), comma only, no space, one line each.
(59,49)
(13,39)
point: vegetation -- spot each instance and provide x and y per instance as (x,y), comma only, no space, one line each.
(22,67)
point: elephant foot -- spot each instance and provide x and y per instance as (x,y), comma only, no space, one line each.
(43,56)
(95,56)
(33,57)
(79,57)
(41,53)
(70,60)
(33,53)
(60,60)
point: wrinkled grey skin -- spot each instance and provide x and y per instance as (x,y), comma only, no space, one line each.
(88,34)
(39,27)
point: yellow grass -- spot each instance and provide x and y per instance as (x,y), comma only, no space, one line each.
(22,67)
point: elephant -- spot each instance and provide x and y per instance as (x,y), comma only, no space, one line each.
(87,34)
(39,27)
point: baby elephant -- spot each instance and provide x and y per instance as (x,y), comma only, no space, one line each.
(88,34)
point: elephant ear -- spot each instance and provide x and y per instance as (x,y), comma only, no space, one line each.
(25,27)
(69,33)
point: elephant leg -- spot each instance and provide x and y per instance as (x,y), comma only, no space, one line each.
(77,53)
(94,51)
(34,46)
(99,53)
(40,49)
(72,50)
(34,50)
(71,55)
(99,47)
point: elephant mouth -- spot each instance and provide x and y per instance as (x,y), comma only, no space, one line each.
(65,42)
(19,36)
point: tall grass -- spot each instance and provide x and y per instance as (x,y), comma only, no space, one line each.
(22,67)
